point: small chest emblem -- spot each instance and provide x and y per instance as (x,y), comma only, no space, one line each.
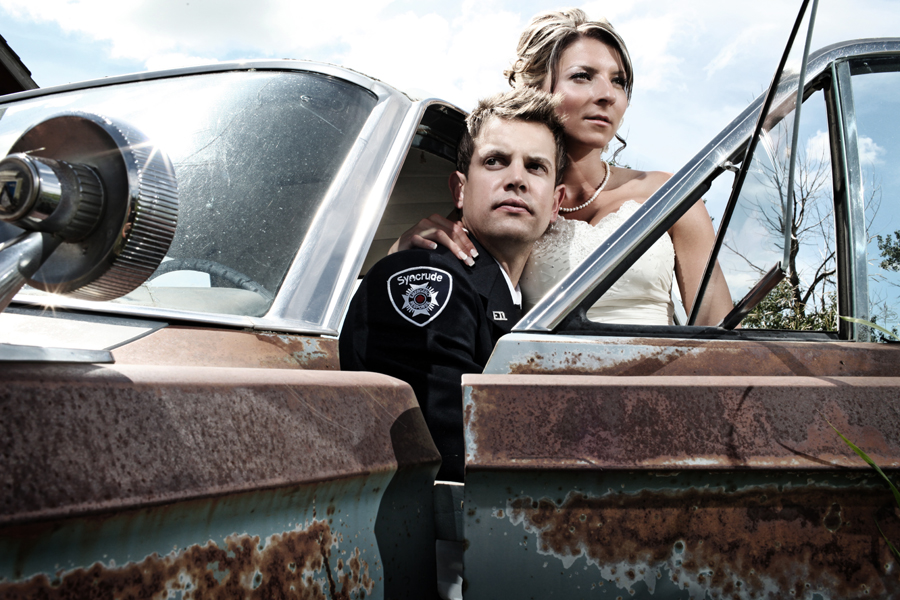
(420,294)
(420,300)
(499,315)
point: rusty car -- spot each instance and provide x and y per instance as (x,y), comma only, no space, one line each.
(178,249)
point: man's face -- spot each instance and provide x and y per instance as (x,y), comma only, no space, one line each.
(510,193)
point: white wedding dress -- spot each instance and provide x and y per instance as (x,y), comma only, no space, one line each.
(643,295)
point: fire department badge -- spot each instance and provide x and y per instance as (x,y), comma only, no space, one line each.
(420,294)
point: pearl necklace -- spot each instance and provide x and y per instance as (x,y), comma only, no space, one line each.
(594,197)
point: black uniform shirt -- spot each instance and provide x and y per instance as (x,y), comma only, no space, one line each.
(426,318)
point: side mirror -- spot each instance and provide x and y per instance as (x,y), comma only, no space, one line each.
(97,201)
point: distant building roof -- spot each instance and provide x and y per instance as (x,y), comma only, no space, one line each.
(14,75)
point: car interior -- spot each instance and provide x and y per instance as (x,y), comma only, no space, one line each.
(421,188)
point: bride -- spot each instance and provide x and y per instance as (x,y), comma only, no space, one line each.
(588,65)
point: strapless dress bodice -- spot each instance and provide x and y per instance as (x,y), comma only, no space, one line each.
(643,295)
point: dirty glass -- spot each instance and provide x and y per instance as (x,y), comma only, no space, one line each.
(761,232)
(254,154)
(755,238)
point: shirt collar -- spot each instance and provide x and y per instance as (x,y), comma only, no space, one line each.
(515,292)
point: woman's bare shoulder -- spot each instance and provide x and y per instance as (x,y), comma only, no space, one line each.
(641,184)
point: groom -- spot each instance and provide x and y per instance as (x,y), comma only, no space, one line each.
(422,316)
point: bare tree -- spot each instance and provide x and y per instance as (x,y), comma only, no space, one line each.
(807,298)
(811,218)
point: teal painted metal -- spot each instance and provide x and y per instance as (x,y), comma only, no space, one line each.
(652,535)
(309,541)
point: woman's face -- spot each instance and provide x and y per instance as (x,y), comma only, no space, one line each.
(591,78)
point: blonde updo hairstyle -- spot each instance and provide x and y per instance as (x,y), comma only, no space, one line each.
(547,36)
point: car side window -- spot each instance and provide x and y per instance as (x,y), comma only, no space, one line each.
(421,187)
(878,132)
(754,239)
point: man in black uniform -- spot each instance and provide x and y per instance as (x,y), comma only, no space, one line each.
(423,316)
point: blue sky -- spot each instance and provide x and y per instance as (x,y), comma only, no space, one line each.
(697,63)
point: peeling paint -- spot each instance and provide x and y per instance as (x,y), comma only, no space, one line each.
(304,351)
(678,486)
(294,563)
(590,422)
(760,542)
(524,354)
(202,346)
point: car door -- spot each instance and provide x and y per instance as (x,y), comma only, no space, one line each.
(684,461)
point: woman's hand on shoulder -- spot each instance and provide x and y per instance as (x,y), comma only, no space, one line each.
(434,230)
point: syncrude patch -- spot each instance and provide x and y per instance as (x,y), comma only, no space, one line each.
(419,294)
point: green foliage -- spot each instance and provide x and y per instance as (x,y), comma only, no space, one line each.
(878,470)
(781,310)
(859,452)
(890,251)
(879,333)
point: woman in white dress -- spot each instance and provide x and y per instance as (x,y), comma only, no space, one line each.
(587,63)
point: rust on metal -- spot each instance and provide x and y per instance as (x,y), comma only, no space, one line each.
(77,439)
(293,564)
(762,542)
(644,357)
(205,347)
(590,422)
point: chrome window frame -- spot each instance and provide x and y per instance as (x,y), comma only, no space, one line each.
(584,285)
(387,148)
(850,215)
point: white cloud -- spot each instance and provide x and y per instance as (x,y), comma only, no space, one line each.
(389,50)
(818,147)
(869,152)
(142,29)
(459,55)
(740,46)
(649,42)
(175,60)
(697,62)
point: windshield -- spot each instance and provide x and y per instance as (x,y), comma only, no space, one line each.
(254,154)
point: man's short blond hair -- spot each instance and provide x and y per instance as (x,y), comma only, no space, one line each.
(519,104)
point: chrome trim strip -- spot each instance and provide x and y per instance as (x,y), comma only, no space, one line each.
(795,136)
(599,271)
(850,212)
(287,64)
(169,315)
(289,326)
(52,301)
(17,353)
